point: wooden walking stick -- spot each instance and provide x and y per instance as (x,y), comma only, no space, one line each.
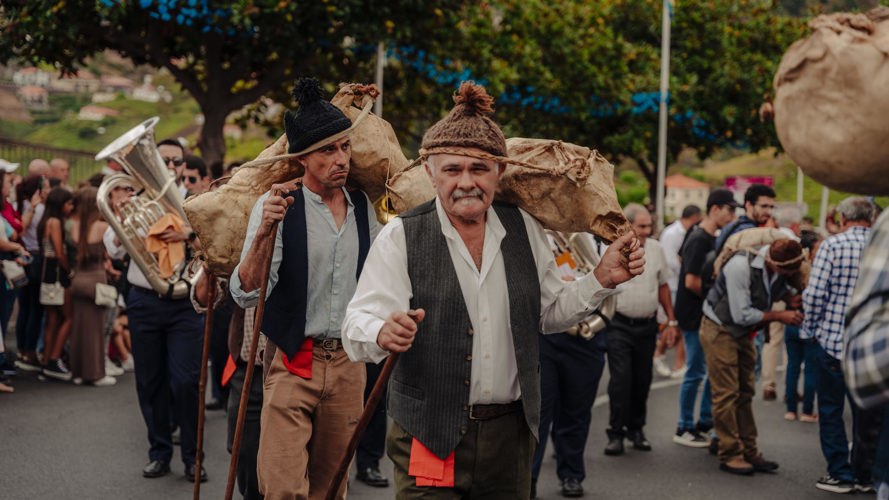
(202,384)
(248,375)
(366,417)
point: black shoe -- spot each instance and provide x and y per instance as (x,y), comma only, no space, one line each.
(639,441)
(189,473)
(615,447)
(714,446)
(571,488)
(371,476)
(214,405)
(156,468)
(760,464)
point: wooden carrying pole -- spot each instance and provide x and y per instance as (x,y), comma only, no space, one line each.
(248,375)
(202,384)
(366,417)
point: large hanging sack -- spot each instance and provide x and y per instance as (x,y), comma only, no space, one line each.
(565,186)
(832,105)
(220,217)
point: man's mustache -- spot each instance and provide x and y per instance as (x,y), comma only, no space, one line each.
(460,193)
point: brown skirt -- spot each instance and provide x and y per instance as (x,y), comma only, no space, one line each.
(87,342)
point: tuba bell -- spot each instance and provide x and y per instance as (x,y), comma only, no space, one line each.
(156,194)
(585,258)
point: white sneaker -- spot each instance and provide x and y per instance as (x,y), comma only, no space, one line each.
(677,374)
(660,366)
(112,369)
(128,364)
(105,381)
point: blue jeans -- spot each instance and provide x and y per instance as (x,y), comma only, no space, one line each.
(866,426)
(696,371)
(800,351)
(29,323)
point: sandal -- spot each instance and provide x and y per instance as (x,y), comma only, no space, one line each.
(791,415)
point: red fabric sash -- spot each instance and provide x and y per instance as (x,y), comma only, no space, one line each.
(301,364)
(229,370)
(428,469)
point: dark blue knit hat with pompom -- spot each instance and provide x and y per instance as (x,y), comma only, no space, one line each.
(314,120)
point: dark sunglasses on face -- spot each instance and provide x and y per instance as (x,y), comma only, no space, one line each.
(176,161)
(192,179)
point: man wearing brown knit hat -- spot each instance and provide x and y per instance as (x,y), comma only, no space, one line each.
(318,234)
(738,304)
(461,287)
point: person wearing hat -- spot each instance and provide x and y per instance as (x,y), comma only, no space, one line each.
(738,304)
(461,287)
(318,234)
(699,241)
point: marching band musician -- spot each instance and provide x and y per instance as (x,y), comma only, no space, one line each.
(570,369)
(167,336)
(461,289)
(313,394)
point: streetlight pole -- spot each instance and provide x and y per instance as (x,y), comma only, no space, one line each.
(662,113)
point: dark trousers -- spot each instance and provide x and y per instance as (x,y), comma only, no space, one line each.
(492,461)
(373,443)
(631,345)
(166,336)
(866,425)
(570,369)
(29,321)
(800,352)
(881,462)
(248,485)
(222,316)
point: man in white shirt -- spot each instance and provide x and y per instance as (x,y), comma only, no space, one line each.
(461,289)
(632,335)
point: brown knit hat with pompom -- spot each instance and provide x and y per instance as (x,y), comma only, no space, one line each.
(467,125)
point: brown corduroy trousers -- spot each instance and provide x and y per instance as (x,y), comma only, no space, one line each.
(306,425)
(731,365)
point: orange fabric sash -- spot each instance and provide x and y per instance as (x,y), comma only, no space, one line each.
(229,370)
(428,469)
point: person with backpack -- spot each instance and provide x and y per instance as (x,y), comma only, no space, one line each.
(759,202)
(690,295)
(737,305)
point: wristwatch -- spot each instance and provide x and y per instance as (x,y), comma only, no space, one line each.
(672,322)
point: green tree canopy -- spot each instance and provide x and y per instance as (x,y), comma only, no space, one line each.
(226,54)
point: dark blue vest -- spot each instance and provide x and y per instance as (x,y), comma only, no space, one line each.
(284,320)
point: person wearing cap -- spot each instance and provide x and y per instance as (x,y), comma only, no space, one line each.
(826,301)
(738,304)
(699,241)
(318,234)
(460,287)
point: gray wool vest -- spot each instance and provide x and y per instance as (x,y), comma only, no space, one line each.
(759,296)
(429,388)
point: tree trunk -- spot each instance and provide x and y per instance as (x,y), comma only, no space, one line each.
(211,140)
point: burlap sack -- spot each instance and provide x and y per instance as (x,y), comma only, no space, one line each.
(571,189)
(220,217)
(376,153)
(832,105)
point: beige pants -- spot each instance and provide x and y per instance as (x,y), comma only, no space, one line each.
(773,351)
(306,425)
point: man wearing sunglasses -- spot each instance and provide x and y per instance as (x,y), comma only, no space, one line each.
(173,156)
(194,175)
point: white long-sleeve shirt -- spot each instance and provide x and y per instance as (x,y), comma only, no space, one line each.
(385,288)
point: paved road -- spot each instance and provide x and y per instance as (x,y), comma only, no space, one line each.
(61,441)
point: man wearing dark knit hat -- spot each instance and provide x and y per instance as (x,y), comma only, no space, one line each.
(312,397)
(461,287)
(737,305)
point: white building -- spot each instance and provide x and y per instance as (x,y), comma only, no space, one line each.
(683,191)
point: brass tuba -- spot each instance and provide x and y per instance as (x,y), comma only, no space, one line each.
(586,258)
(156,195)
